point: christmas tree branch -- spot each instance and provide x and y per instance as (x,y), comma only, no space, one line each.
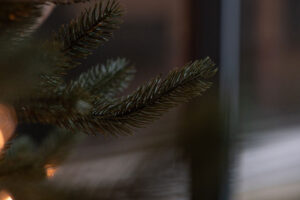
(90,30)
(151,100)
(106,80)
(76,111)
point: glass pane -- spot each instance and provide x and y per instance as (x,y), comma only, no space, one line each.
(268,165)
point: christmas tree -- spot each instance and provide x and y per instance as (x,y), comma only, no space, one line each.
(34,90)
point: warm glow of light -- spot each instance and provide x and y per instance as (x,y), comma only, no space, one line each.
(5,195)
(50,170)
(2,141)
(8,123)
(8,198)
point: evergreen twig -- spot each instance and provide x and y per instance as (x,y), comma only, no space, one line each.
(88,104)
(119,116)
(106,80)
(90,30)
(152,99)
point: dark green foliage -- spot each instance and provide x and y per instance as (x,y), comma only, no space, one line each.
(90,30)
(81,36)
(106,80)
(89,104)
(120,116)
(154,98)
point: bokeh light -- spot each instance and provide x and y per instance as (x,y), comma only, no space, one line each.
(50,171)
(8,123)
(4,195)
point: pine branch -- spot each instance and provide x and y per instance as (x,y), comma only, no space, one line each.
(74,111)
(90,30)
(153,99)
(85,105)
(79,38)
(51,108)
(105,80)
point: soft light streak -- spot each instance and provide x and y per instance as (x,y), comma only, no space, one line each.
(8,123)
(2,141)
(8,198)
(4,195)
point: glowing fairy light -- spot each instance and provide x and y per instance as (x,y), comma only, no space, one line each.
(8,122)
(2,141)
(8,198)
(50,171)
(4,195)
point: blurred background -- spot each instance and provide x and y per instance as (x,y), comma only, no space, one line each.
(268,149)
(241,140)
